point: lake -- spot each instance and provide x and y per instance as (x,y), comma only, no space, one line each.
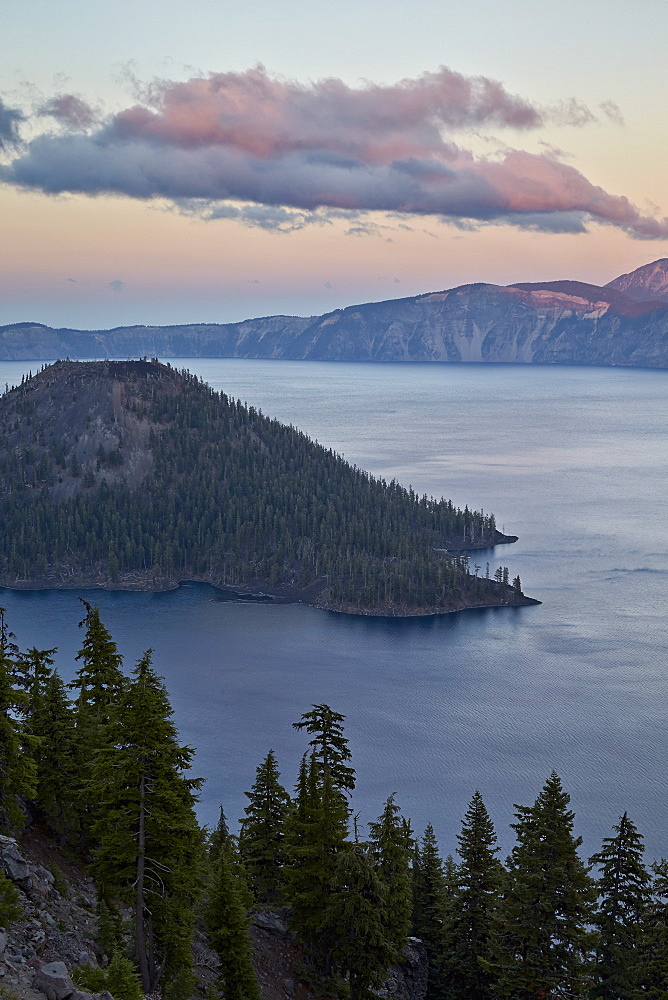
(571,459)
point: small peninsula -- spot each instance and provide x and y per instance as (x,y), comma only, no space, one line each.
(133,475)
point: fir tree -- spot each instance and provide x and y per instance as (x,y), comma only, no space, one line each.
(122,980)
(655,936)
(624,896)
(431,897)
(17,768)
(391,845)
(227,927)
(543,941)
(356,907)
(58,777)
(9,901)
(220,836)
(149,846)
(262,834)
(316,833)
(470,926)
(330,746)
(100,679)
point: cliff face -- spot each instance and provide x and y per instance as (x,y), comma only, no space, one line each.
(560,322)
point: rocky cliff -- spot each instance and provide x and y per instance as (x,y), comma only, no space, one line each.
(557,322)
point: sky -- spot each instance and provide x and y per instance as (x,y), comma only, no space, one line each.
(163,162)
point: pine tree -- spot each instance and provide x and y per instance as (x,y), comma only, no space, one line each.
(220,836)
(149,849)
(316,833)
(9,902)
(543,942)
(100,678)
(99,683)
(330,746)
(431,898)
(471,918)
(262,834)
(624,896)
(17,767)
(227,927)
(655,937)
(356,907)
(122,980)
(391,846)
(58,777)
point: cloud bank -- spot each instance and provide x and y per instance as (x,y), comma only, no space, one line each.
(293,154)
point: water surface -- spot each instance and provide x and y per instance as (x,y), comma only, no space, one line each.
(571,459)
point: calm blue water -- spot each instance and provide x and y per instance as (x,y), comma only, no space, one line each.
(573,460)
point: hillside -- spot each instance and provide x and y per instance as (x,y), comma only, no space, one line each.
(133,475)
(555,322)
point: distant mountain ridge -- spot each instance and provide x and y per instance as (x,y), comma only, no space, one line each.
(553,322)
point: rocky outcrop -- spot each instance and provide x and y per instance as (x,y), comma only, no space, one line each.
(557,322)
(54,932)
(408,981)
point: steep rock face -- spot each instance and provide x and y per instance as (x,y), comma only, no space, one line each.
(649,282)
(558,322)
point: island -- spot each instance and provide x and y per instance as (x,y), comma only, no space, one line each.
(133,475)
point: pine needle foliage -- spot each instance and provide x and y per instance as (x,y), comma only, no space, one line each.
(624,899)
(470,924)
(543,931)
(390,846)
(149,847)
(356,907)
(262,834)
(227,926)
(17,766)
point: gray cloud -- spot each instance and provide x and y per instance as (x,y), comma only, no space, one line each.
(279,156)
(612,111)
(116,285)
(10,119)
(70,110)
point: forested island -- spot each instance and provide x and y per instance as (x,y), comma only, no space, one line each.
(101,783)
(132,475)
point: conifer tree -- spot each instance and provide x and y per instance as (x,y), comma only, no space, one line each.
(624,897)
(356,907)
(316,833)
(149,848)
(9,901)
(262,834)
(330,746)
(99,683)
(17,767)
(471,918)
(391,844)
(58,777)
(654,979)
(227,926)
(100,678)
(431,897)
(543,939)
(220,836)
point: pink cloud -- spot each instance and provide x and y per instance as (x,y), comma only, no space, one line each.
(297,153)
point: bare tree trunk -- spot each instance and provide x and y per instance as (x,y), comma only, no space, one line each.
(140,934)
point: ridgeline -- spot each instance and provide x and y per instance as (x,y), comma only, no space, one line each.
(132,475)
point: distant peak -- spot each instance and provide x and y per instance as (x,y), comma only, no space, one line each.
(649,282)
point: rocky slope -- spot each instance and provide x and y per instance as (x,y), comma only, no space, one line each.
(560,322)
(56,932)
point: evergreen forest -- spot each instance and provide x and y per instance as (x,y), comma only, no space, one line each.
(99,764)
(131,474)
